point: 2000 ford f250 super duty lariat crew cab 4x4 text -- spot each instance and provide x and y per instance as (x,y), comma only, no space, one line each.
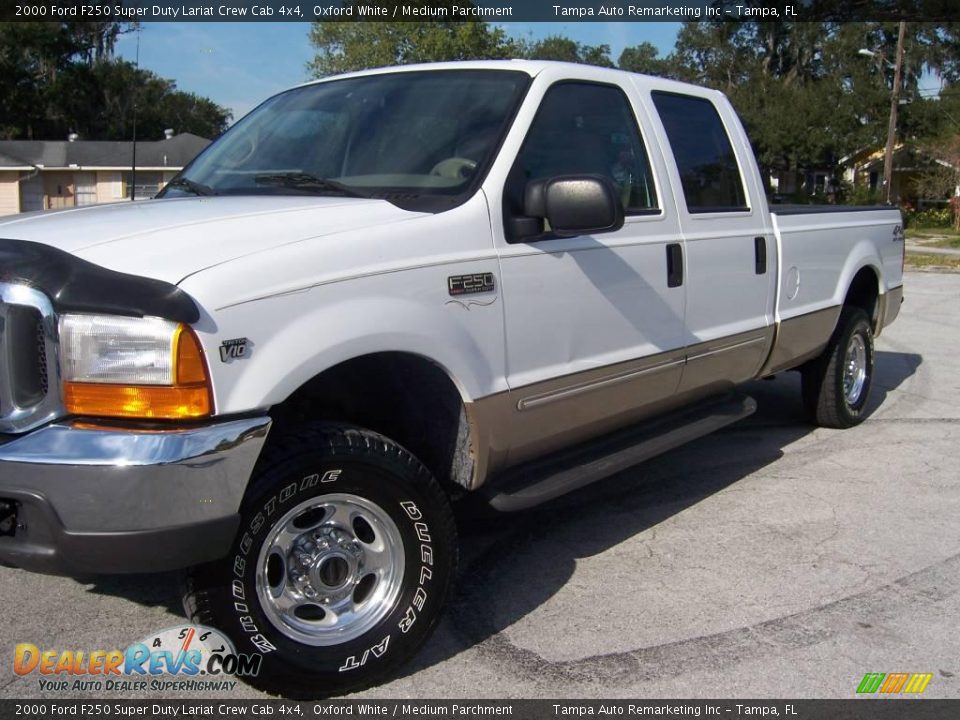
(384,290)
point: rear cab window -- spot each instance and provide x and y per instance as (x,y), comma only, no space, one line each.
(708,168)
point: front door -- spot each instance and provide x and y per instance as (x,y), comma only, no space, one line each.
(594,330)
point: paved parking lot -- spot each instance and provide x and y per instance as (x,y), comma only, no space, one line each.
(768,560)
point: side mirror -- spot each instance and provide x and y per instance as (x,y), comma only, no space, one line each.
(575,204)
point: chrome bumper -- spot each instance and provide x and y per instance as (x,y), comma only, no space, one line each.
(94,500)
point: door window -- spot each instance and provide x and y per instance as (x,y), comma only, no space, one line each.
(705,158)
(585,129)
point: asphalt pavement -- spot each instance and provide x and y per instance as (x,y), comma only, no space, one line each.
(769,560)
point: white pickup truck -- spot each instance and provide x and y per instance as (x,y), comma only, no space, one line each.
(380,292)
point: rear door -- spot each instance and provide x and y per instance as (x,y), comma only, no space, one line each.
(730,248)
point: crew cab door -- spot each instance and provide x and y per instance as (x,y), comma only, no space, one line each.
(730,251)
(594,324)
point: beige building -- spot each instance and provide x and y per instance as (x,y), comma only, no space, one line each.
(865,169)
(48,174)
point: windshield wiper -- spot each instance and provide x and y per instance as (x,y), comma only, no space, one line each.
(306,181)
(194,187)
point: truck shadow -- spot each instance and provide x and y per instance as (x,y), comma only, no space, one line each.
(545,544)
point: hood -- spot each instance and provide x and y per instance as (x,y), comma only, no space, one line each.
(172,239)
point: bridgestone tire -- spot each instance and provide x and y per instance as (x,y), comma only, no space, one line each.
(320,467)
(828,400)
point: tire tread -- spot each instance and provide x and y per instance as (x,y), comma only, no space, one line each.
(822,393)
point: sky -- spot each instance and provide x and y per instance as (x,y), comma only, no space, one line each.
(237,65)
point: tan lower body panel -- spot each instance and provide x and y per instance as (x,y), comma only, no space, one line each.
(523,424)
(800,339)
(889,308)
(730,360)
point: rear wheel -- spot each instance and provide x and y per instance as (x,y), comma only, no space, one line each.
(836,386)
(345,555)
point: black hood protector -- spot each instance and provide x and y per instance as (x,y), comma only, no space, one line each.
(76,285)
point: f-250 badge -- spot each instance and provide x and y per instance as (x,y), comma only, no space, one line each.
(235,349)
(470,284)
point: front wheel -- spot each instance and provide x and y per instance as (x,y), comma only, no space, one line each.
(836,386)
(345,555)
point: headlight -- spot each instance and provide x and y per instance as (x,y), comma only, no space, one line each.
(132,367)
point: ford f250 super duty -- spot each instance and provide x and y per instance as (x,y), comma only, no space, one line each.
(385,290)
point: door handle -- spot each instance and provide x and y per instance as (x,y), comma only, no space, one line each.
(760,254)
(674,265)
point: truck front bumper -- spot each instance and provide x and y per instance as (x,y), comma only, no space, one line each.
(77,499)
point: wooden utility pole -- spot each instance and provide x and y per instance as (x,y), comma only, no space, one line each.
(892,126)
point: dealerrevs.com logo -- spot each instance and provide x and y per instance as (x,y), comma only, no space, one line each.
(189,657)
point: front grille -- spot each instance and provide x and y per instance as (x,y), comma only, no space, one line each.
(40,344)
(29,394)
(27,358)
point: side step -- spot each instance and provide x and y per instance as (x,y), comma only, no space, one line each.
(541,480)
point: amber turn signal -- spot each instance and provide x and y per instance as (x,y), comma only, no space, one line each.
(189,367)
(189,398)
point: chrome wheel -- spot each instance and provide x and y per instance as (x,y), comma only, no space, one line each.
(330,569)
(854,370)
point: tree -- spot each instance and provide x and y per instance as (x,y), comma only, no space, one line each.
(806,94)
(31,57)
(57,78)
(645,58)
(941,178)
(348,46)
(770,72)
(557,47)
(105,108)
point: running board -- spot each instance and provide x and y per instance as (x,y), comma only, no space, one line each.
(541,480)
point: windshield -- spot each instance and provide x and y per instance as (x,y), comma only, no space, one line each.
(404,137)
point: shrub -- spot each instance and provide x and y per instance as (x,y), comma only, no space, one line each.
(861,194)
(930,218)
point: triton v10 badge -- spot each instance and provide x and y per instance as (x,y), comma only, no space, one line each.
(235,349)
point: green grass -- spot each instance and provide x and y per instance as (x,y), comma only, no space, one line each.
(934,237)
(951,242)
(922,261)
(931,233)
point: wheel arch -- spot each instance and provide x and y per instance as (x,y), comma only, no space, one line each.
(405,396)
(864,291)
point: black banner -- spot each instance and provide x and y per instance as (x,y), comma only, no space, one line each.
(475,10)
(853,709)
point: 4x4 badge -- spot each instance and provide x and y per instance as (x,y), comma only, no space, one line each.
(235,349)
